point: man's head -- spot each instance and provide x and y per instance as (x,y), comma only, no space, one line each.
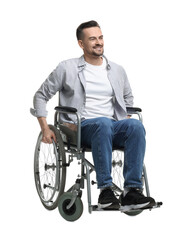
(90,39)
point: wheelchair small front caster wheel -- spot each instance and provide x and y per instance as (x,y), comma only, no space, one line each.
(74,212)
(133,213)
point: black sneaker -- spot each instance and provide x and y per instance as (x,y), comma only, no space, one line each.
(135,199)
(107,200)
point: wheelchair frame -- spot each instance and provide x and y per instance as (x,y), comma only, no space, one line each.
(69,203)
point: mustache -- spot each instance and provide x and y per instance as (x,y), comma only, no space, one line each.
(98,45)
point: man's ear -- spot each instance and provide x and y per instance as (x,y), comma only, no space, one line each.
(80,42)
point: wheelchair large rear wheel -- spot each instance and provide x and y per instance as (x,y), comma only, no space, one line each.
(50,170)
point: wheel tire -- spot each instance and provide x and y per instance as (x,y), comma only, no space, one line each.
(50,170)
(133,213)
(74,212)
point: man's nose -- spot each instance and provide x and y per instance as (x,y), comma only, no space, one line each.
(98,42)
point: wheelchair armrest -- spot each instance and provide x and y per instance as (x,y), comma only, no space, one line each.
(66,109)
(133,109)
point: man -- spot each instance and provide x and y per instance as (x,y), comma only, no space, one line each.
(100,91)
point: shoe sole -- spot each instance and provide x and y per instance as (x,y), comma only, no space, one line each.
(108,206)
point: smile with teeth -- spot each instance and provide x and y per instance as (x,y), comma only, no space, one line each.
(98,48)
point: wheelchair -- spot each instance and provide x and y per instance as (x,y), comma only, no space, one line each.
(51,162)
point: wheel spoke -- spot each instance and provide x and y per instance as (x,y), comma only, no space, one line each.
(49,176)
(117,168)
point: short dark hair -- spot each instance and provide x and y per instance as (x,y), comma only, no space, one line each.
(79,31)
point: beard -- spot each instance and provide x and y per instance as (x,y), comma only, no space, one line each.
(98,53)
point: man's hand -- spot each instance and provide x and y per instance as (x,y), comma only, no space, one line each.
(48,135)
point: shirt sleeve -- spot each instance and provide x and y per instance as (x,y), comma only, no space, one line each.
(48,89)
(127,91)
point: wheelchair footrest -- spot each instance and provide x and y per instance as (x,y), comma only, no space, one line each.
(157,205)
(96,208)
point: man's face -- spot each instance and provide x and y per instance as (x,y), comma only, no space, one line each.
(92,42)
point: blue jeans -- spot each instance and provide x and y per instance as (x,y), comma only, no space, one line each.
(102,134)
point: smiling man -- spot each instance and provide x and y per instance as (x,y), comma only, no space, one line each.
(92,43)
(100,91)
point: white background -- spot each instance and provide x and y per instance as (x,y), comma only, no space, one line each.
(155,42)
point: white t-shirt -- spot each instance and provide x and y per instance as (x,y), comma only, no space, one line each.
(99,93)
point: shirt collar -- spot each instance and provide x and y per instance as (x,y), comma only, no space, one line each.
(81,64)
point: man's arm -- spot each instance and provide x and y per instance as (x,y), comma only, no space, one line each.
(49,88)
(48,134)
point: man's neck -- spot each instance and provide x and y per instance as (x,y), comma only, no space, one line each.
(94,60)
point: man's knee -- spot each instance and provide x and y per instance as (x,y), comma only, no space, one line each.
(136,127)
(104,125)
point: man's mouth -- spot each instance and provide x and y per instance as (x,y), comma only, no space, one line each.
(98,47)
